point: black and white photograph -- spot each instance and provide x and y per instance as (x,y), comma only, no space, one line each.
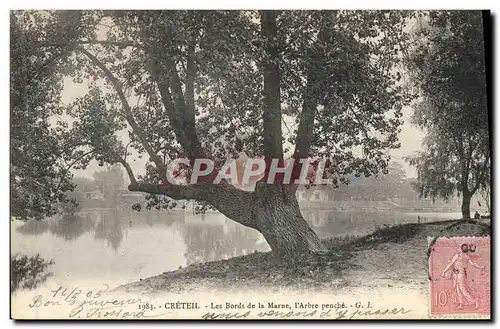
(250,164)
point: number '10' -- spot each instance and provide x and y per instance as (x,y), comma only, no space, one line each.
(440,298)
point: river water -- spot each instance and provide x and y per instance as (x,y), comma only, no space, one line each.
(117,246)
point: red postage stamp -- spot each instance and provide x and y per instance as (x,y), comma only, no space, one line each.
(459,273)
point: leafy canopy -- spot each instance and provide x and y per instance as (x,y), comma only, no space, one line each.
(39,173)
(449,69)
(170,84)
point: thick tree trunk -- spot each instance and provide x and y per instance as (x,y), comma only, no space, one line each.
(280,221)
(466,206)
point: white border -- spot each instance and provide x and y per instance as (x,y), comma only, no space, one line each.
(251,4)
(190,4)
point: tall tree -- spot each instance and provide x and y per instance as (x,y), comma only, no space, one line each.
(109,181)
(76,197)
(204,84)
(39,176)
(449,68)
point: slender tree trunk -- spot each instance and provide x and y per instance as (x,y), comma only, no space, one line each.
(466,206)
(280,221)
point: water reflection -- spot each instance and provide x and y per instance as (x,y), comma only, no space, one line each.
(110,229)
(211,242)
(328,223)
(124,246)
(207,237)
(67,227)
(34,227)
(107,226)
(71,227)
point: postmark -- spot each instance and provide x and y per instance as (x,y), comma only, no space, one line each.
(459,276)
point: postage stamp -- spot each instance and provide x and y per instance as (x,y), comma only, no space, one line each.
(459,276)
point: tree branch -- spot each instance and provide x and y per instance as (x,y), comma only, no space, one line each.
(65,171)
(128,112)
(185,106)
(127,167)
(273,146)
(122,44)
(472,147)
(463,167)
(173,116)
(230,201)
(170,148)
(184,130)
(481,175)
(177,192)
(306,125)
(190,76)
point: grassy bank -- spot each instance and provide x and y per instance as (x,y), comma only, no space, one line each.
(390,255)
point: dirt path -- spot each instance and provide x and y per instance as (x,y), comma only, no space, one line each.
(390,257)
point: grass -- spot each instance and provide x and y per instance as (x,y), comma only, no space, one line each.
(319,270)
(484,229)
(384,234)
(403,232)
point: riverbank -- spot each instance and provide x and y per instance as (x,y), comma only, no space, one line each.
(390,256)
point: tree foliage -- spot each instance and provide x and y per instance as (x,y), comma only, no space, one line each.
(38,173)
(28,272)
(76,198)
(189,84)
(376,188)
(449,68)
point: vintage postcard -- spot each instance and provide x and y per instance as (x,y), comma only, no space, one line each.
(250,164)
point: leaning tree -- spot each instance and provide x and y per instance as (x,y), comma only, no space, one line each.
(205,84)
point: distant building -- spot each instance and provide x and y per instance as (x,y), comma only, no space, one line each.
(313,194)
(94,195)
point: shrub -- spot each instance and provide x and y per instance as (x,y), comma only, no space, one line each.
(28,272)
